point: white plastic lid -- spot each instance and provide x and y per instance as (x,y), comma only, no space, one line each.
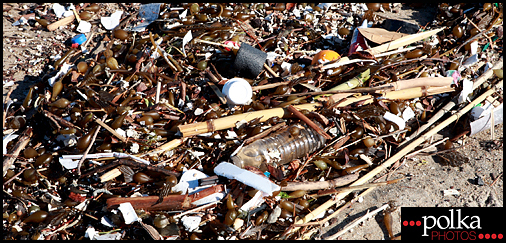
(238,91)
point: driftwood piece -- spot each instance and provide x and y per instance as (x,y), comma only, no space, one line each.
(61,22)
(20,145)
(319,185)
(404,41)
(170,202)
(229,121)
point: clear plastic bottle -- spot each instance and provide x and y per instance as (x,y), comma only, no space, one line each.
(279,149)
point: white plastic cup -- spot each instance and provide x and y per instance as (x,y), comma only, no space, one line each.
(238,91)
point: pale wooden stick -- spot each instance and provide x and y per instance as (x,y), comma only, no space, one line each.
(229,121)
(356,222)
(61,22)
(397,156)
(404,41)
(268,86)
(319,185)
(269,69)
(108,128)
(420,82)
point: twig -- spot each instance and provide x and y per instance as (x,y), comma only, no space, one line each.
(60,120)
(108,128)
(359,90)
(308,121)
(356,222)
(23,140)
(276,127)
(89,147)
(319,185)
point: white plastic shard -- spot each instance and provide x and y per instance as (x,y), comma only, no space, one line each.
(128,212)
(191,223)
(395,119)
(249,178)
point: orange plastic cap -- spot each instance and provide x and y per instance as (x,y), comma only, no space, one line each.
(325,56)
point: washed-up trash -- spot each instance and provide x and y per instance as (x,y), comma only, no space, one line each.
(238,91)
(485,118)
(128,212)
(84,27)
(249,61)
(249,178)
(232,121)
(111,22)
(191,223)
(78,40)
(148,13)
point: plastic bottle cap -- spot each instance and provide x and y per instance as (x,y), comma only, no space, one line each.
(79,39)
(238,91)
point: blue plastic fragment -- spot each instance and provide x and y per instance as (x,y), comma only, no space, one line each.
(79,39)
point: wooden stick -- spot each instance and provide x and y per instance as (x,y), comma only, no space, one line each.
(268,86)
(61,22)
(165,147)
(308,121)
(229,121)
(404,41)
(265,133)
(269,69)
(351,91)
(397,156)
(89,147)
(108,128)
(319,185)
(217,91)
(23,140)
(420,82)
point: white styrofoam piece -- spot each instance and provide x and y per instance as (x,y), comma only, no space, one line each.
(84,27)
(249,178)
(111,22)
(408,114)
(128,212)
(191,223)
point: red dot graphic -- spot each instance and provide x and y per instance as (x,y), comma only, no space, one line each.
(487,236)
(480,236)
(418,223)
(405,223)
(493,236)
(499,236)
(411,223)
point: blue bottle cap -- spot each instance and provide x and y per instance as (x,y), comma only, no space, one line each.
(79,39)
